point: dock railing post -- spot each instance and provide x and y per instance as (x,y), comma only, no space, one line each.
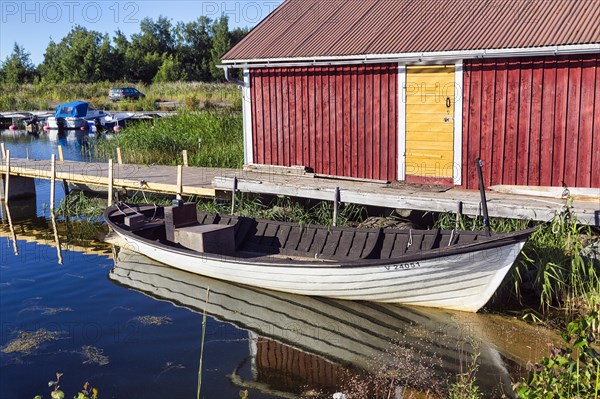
(7,178)
(235,187)
(486,218)
(184,154)
(336,206)
(459,211)
(110,182)
(3,147)
(119,156)
(179,182)
(61,156)
(52,180)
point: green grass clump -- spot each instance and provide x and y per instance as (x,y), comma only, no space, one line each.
(211,138)
(553,263)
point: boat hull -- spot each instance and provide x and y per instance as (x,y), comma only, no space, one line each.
(460,281)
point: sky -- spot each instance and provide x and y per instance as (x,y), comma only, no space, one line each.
(32,24)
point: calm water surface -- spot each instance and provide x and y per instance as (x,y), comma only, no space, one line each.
(133,327)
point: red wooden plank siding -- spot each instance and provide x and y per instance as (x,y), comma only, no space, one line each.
(335,120)
(596,131)
(535,124)
(542,126)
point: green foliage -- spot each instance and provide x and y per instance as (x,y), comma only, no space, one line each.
(221,42)
(47,95)
(86,393)
(171,70)
(569,372)
(160,52)
(83,56)
(465,386)
(17,67)
(551,262)
(212,139)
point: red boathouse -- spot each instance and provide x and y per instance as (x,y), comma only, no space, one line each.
(415,90)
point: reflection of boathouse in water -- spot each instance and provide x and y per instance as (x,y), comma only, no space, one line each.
(300,343)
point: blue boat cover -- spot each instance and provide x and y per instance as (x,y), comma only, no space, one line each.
(74,109)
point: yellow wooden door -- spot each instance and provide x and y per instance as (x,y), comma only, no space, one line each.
(430,121)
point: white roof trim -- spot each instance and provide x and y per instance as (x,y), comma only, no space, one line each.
(416,57)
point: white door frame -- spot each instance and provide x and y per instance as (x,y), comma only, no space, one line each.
(247,119)
(458,105)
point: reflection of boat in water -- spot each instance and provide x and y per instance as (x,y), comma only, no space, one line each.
(306,340)
(447,269)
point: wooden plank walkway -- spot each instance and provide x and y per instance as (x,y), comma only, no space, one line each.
(207,181)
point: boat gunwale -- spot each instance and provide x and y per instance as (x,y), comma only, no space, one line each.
(495,241)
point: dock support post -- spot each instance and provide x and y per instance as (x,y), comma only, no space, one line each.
(235,187)
(61,156)
(486,218)
(6,153)
(110,182)
(52,181)
(185,158)
(119,156)
(459,211)
(179,182)
(336,206)
(3,147)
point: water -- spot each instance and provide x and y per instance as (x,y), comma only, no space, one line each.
(133,327)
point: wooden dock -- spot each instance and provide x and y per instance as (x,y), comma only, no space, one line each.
(207,182)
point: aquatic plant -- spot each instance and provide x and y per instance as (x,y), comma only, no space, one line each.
(87,392)
(79,205)
(572,371)
(465,386)
(211,138)
(27,342)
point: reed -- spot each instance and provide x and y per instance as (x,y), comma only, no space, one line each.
(43,95)
(553,263)
(212,139)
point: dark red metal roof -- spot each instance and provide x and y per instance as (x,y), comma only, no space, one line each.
(315,28)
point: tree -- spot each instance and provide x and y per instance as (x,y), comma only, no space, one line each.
(17,68)
(193,41)
(171,70)
(221,43)
(81,56)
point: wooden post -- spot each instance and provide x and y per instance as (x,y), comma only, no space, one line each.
(119,156)
(185,158)
(7,178)
(3,147)
(110,182)
(61,157)
(336,206)
(235,187)
(179,182)
(52,180)
(459,211)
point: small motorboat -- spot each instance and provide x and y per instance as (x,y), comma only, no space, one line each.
(458,270)
(75,115)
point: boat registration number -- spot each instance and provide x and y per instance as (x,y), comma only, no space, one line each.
(403,266)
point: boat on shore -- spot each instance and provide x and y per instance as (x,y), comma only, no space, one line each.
(457,270)
(75,115)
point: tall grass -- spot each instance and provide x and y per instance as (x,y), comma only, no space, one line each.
(45,96)
(212,139)
(553,265)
